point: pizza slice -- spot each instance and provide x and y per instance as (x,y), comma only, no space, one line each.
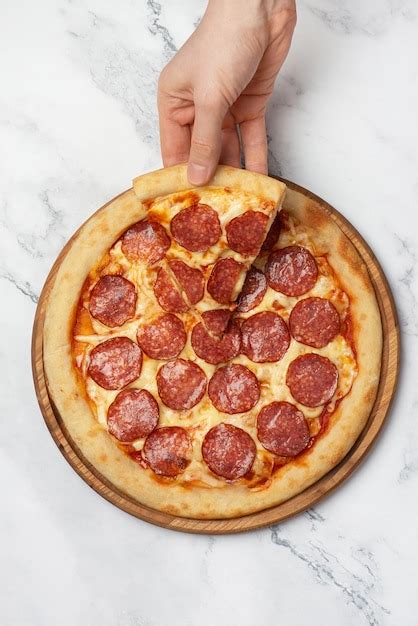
(199,243)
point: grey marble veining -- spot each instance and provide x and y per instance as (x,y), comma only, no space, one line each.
(353,575)
(78,121)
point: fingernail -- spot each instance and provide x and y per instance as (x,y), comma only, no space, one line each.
(198,174)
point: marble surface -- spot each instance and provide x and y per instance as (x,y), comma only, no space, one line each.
(77,122)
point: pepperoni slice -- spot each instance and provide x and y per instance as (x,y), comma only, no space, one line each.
(196,228)
(312,379)
(292,270)
(164,338)
(167,294)
(181,384)
(145,241)
(214,349)
(234,389)
(223,278)
(115,363)
(168,450)
(228,451)
(216,321)
(113,300)
(265,337)
(132,415)
(273,234)
(253,290)
(246,233)
(282,429)
(314,322)
(190,279)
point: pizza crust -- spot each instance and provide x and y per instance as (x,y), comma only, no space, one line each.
(173,179)
(67,393)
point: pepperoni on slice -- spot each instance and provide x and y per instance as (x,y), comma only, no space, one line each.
(253,291)
(167,450)
(234,389)
(282,429)
(312,379)
(314,322)
(145,241)
(167,294)
(246,233)
(164,338)
(216,321)
(181,384)
(115,363)
(132,415)
(214,349)
(113,300)
(196,228)
(223,278)
(265,337)
(190,279)
(292,270)
(228,451)
(273,234)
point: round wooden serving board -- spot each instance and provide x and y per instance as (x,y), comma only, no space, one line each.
(306,499)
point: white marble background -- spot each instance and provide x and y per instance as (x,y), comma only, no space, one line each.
(77,122)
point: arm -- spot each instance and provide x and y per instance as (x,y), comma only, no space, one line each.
(221,79)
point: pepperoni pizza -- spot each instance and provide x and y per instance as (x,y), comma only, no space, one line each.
(209,354)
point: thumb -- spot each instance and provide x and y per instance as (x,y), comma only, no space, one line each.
(206,143)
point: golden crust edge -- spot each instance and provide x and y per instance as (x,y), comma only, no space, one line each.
(172,179)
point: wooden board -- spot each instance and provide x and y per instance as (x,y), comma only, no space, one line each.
(306,499)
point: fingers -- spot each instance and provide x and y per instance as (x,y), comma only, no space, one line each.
(209,144)
(254,143)
(231,150)
(206,143)
(174,140)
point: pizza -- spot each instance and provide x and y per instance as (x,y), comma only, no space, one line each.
(212,351)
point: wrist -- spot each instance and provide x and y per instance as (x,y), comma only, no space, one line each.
(260,8)
(259,15)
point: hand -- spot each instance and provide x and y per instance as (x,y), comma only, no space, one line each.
(221,79)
